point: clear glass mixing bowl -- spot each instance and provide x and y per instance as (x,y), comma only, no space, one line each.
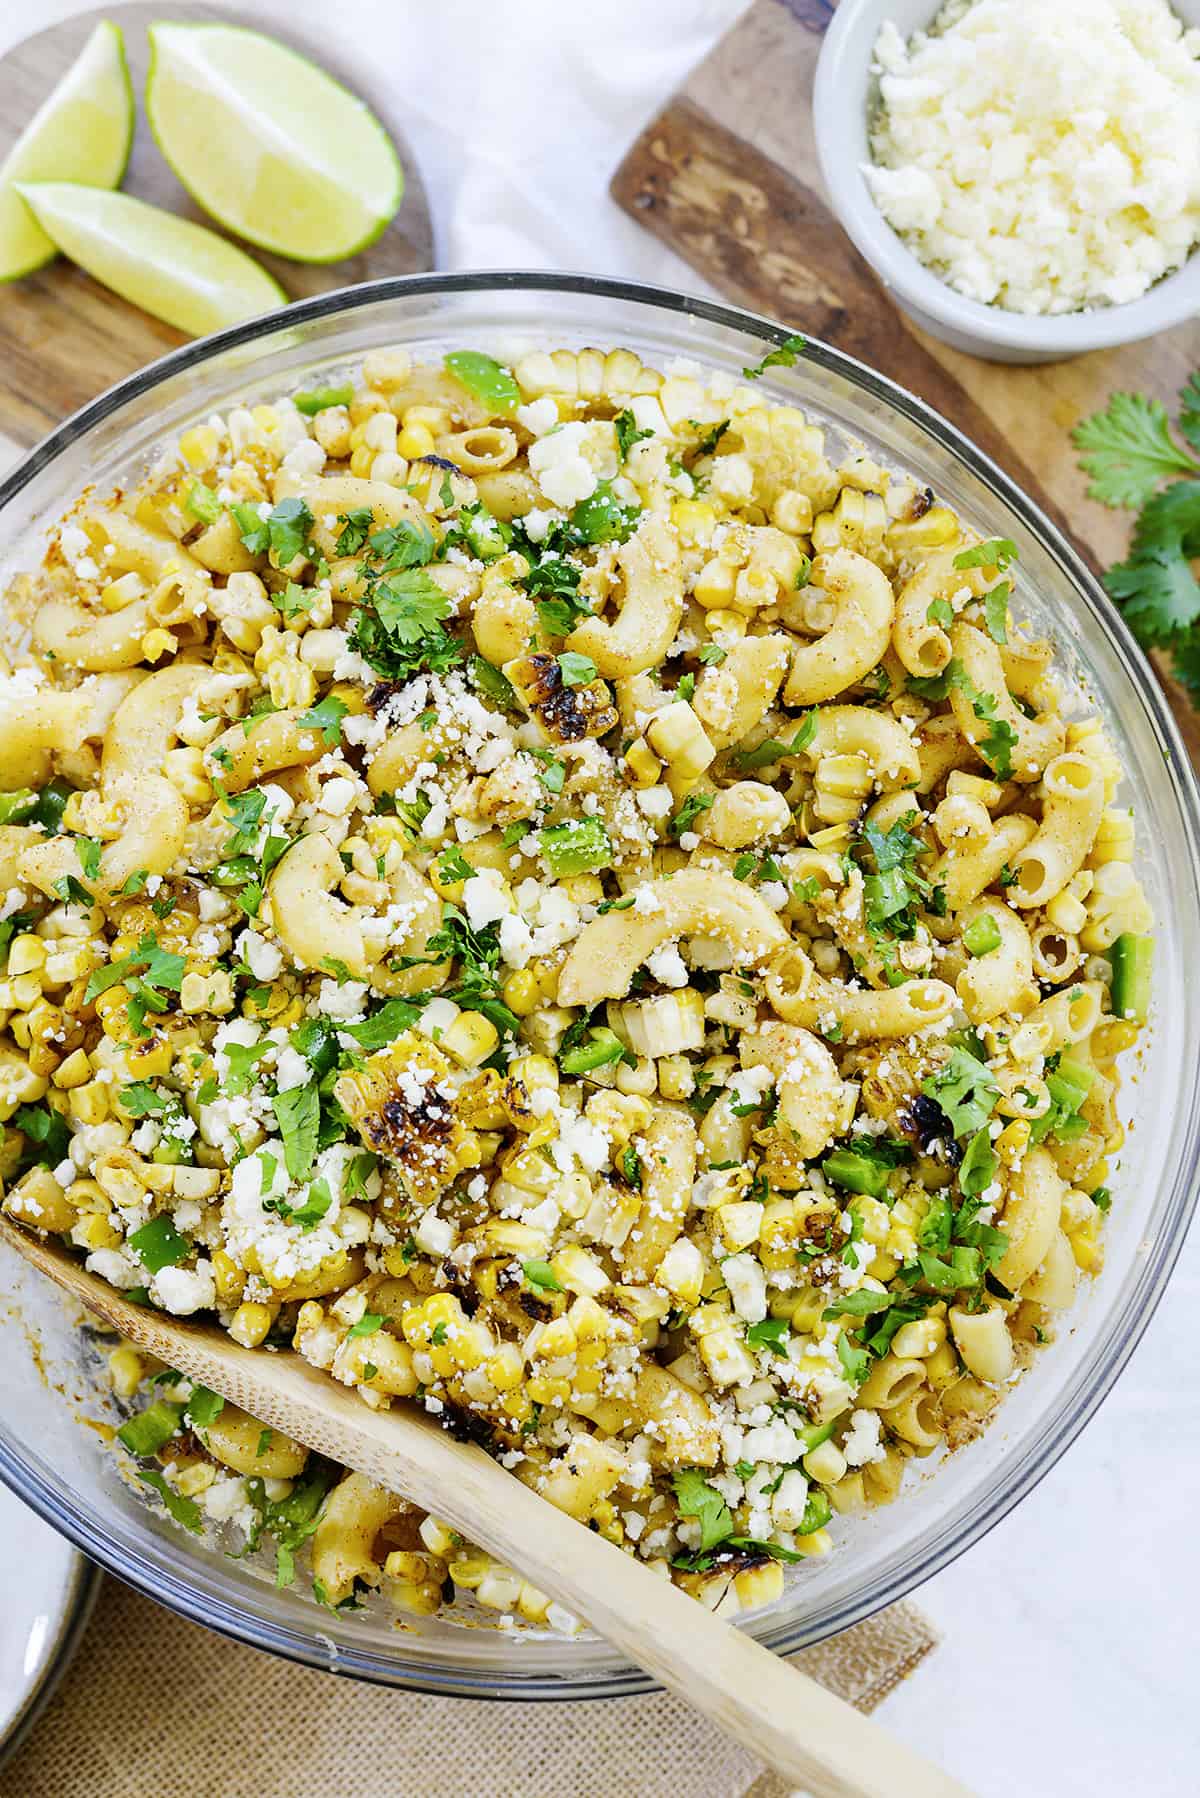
(65,1470)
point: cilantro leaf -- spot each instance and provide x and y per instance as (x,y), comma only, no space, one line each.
(995,611)
(773,749)
(696,1498)
(772,1333)
(327,718)
(577,670)
(184,1510)
(626,427)
(384,1026)
(298,1114)
(782,356)
(541,1275)
(1128,449)
(1189,410)
(1155,587)
(966,1090)
(996,552)
(356,528)
(689,811)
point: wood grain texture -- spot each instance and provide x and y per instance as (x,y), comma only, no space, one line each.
(781,1715)
(63,337)
(727,175)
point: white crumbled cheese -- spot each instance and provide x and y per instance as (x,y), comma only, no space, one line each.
(862,1442)
(516,940)
(338,796)
(747,1286)
(539,416)
(560,468)
(732,478)
(434,1235)
(182,1290)
(344,1001)
(117,1266)
(1042,158)
(486,899)
(667,967)
(304,458)
(655,802)
(291,1069)
(580,1141)
(688,841)
(263,958)
(776,1441)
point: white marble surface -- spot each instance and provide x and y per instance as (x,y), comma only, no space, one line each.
(1069,1656)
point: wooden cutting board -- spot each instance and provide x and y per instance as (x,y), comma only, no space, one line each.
(727,175)
(63,337)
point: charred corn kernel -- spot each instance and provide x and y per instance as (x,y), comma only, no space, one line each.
(1012,1142)
(677,736)
(695,520)
(75,1070)
(549,1390)
(438,1537)
(251,1324)
(714,585)
(25,955)
(94,1232)
(204,993)
(413,441)
(738,1225)
(725,623)
(918,1339)
(754,587)
(757,1586)
(580,1272)
(792,512)
(904,536)
(379,432)
(385,369)
(470,1039)
(192,1480)
(532,1604)
(520,993)
(505,1368)
(185,770)
(642,767)
(230,1280)
(150,1062)
(682,1271)
(199,446)
(63,965)
(641,1079)
(676,1078)
(126,1370)
(88,1103)
(619,1115)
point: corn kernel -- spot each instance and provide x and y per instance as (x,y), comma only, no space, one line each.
(126,1370)
(415,440)
(251,1324)
(641,767)
(199,446)
(520,993)
(470,1039)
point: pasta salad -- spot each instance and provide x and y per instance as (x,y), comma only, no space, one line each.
(546,892)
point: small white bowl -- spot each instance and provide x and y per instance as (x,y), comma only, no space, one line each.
(842,96)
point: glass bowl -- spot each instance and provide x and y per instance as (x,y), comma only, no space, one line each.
(67,1472)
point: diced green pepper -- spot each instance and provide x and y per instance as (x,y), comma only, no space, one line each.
(485,378)
(855,1172)
(18,806)
(981,936)
(158,1244)
(146,1433)
(576,847)
(1132,958)
(317,399)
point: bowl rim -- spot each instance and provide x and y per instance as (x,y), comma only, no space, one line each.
(1126,1327)
(844,56)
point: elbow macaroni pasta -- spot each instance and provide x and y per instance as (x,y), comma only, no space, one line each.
(542,891)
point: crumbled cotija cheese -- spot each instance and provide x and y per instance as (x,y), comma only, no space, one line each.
(1043,157)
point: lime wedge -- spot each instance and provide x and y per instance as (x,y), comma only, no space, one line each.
(268,144)
(81,132)
(178,271)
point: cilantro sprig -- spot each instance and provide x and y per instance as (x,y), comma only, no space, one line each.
(1130,450)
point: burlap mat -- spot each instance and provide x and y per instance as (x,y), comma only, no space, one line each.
(154,1707)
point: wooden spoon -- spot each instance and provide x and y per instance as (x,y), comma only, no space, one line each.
(776,1712)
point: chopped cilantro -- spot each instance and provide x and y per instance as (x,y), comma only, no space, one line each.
(298,1114)
(626,427)
(782,356)
(541,1275)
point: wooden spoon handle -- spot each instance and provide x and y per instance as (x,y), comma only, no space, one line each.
(778,1713)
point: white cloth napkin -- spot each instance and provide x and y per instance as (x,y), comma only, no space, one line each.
(518,111)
